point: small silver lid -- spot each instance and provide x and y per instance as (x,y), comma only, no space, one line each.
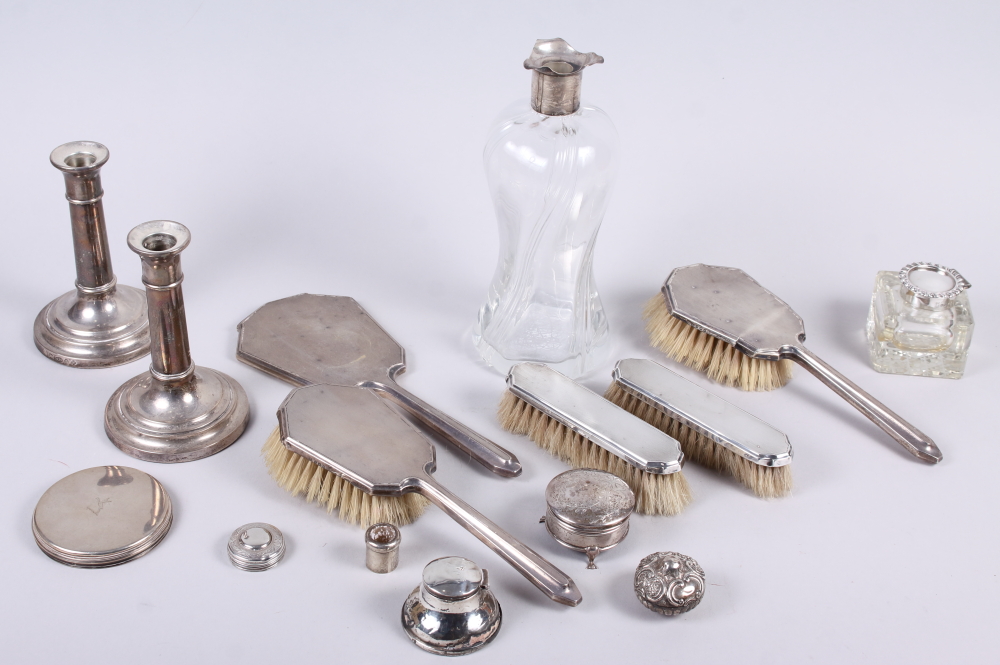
(101,517)
(256,546)
(588,498)
(931,284)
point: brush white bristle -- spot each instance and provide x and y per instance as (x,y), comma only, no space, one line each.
(655,493)
(768,482)
(705,353)
(300,476)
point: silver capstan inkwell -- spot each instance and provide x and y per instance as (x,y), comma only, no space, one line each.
(452,612)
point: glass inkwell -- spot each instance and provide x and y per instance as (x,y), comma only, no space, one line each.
(920,322)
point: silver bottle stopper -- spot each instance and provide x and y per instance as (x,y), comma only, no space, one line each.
(588,511)
(556,75)
(256,546)
(453,612)
(101,517)
(669,583)
(176,411)
(382,547)
(100,323)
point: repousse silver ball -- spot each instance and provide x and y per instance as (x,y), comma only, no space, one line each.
(669,583)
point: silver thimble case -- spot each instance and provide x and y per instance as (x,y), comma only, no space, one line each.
(588,511)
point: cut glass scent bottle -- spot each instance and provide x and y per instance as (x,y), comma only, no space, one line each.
(920,322)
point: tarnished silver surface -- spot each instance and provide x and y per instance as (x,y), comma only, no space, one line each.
(100,323)
(351,432)
(915,294)
(382,547)
(556,75)
(452,612)
(588,511)
(175,412)
(727,303)
(706,413)
(314,339)
(256,546)
(590,415)
(101,517)
(669,583)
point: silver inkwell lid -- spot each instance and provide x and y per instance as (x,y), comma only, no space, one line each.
(931,285)
(556,75)
(101,517)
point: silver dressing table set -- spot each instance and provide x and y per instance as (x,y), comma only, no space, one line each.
(628,447)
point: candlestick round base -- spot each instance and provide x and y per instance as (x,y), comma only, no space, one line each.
(177,421)
(94,330)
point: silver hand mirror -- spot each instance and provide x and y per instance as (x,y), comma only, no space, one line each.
(729,304)
(315,339)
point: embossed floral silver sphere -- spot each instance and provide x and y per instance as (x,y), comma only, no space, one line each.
(669,583)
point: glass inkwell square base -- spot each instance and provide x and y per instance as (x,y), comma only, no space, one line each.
(919,322)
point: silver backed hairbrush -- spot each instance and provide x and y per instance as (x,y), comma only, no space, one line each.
(712,432)
(587,431)
(720,320)
(346,436)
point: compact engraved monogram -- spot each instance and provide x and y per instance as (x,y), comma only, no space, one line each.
(100,505)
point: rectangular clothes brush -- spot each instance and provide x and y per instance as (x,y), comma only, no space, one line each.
(587,431)
(712,432)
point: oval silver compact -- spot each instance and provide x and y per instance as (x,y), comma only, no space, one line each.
(588,510)
(101,517)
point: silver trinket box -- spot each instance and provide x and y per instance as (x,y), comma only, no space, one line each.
(669,583)
(256,546)
(453,612)
(101,517)
(588,511)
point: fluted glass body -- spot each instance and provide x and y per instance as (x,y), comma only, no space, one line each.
(550,178)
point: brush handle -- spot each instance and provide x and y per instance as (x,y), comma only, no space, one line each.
(498,460)
(908,436)
(550,580)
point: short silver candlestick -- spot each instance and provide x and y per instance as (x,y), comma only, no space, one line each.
(177,411)
(100,323)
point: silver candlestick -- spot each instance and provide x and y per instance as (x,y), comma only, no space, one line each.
(177,411)
(100,323)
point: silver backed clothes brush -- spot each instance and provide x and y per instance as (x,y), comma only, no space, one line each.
(315,339)
(712,432)
(711,304)
(587,431)
(351,433)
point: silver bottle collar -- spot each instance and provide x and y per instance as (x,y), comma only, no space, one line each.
(556,73)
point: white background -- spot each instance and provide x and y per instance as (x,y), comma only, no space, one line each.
(336,149)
